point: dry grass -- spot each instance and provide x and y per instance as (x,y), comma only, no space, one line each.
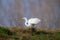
(19,33)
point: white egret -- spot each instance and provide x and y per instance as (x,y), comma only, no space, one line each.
(31,22)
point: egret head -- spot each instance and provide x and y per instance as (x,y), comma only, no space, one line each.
(24,18)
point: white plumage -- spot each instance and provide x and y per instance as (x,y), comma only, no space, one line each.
(34,21)
(31,22)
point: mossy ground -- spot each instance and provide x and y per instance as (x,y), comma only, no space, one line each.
(18,33)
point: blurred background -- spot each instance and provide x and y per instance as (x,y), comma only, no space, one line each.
(47,10)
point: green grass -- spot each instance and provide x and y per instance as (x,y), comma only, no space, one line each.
(17,33)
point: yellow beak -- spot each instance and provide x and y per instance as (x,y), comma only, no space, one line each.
(20,19)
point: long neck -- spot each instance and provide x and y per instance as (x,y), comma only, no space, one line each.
(26,21)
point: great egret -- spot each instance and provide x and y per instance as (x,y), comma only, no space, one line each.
(31,22)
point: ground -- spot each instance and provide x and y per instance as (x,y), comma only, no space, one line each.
(18,33)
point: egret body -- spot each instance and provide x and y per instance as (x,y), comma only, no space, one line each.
(31,22)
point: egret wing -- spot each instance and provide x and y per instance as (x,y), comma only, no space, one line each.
(34,20)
